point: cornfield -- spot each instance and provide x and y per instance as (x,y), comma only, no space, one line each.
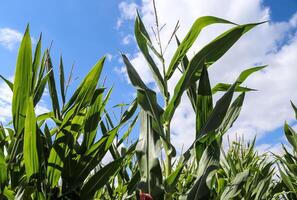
(59,154)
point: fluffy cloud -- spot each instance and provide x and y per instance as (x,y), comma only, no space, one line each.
(9,38)
(5,103)
(273,43)
(128,11)
(127,39)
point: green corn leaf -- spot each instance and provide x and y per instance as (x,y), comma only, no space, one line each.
(52,86)
(10,84)
(92,119)
(9,194)
(133,182)
(48,136)
(241,78)
(294,108)
(93,156)
(143,42)
(192,91)
(30,149)
(209,162)
(204,108)
(22,83)
(3,171)
(209,54)
(213,122)
(219,112)
(204,101)
(222,87)
(232,113)
(233,189)
(36,61)
(148,150)
(129,112)
(148,101)
(42,68)
(286,179)
(100,178)
(83,95)
(128,132)
(171,181)
(62,80)
(189,40)
(246,73)
(145,97)
(40,88)
(291,135)
(56,160)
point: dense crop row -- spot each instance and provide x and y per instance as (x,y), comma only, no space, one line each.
(58,155)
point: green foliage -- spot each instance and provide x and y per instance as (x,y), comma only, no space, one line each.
(58,155)
(288,163)
(211,122)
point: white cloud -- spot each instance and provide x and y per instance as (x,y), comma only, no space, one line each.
(5,103)
(276,149)
(263,111)
(109,57)
(9,38)
(128,11)
(127,39)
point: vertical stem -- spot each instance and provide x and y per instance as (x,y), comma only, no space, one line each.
(166,125)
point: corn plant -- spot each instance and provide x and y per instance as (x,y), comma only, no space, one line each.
(244,174)
(161,181)
(58,155)
(288,164)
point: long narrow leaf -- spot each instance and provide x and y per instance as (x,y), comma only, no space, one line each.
(22,83)
(30,150)
(190,38)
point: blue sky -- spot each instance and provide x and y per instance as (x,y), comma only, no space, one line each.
(84,31)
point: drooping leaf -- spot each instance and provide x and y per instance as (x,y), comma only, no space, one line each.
(143,41)
(10,84)
(222,87)
(148,101)
(190,38)
(207,55)
(246,73)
